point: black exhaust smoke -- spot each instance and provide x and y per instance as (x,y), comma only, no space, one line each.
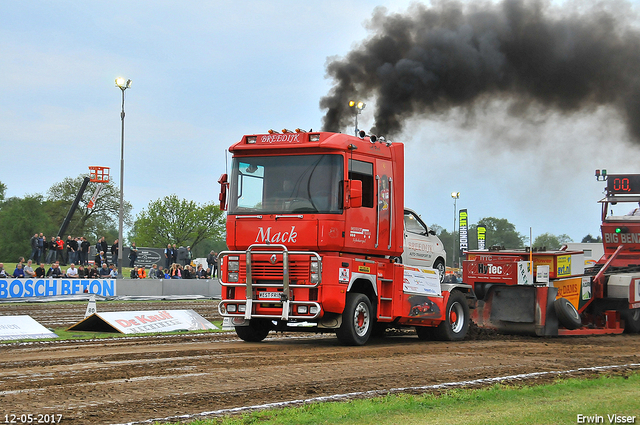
(535,56)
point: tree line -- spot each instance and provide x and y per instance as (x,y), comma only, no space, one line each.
(178,221)
(164,221)
(500,232)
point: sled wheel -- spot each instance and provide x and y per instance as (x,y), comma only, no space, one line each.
(425,333)
(456,323)
(567,314)
(357,322)
(631,320)
(255,332)
(442,270)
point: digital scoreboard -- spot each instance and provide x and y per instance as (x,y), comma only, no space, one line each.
(623,184)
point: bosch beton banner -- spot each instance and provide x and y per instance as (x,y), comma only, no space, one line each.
(464,239)
(24,288)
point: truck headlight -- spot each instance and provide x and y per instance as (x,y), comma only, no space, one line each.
(231,308)
(314,267)
(242,308)
(233,277)
(314,278)
(302,309)
(313,309)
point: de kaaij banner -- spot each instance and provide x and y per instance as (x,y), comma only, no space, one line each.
(134,322)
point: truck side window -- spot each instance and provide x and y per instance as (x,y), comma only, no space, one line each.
(413,225)
(363,171)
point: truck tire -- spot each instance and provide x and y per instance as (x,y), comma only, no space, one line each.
(631,320)
(442,270)
(457,316)
(567,314)
(357,320)
(255,332)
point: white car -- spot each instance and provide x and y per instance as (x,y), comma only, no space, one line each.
(422,248)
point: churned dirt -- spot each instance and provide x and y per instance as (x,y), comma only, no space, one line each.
(135,379)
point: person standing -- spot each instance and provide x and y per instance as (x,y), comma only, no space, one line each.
(174,253)
(84,251)
(103,245)
(188,256)
(133,254)
(60,251)
(70,251)
(34,247)
(114,252)
(168,256)
(53,246)
(41,243)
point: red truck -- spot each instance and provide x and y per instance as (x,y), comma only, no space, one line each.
(319,240)
(552,292)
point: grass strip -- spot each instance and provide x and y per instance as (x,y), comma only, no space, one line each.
(559,402)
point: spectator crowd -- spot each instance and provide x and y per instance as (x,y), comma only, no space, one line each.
(178,261)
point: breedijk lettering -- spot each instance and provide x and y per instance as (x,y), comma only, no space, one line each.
(283,237)
(274,138)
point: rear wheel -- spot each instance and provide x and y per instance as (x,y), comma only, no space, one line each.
(256,331)
(456,323)
(631,320)
(567,314)
(357,320)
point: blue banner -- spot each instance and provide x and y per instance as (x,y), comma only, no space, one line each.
(20,288)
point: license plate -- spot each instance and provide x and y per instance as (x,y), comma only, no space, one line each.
(269,295)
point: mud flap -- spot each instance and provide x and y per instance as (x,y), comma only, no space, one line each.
(518,309)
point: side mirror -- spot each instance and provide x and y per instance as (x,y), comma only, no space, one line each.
(353,194)
(224,187)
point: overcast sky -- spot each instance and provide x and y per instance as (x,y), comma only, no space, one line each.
(205,73)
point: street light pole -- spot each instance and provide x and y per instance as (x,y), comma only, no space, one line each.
(358,107)
(123,85)
(455,196)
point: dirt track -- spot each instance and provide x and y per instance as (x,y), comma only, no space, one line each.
(122,380)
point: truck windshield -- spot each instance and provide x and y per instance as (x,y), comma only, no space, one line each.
(287,184)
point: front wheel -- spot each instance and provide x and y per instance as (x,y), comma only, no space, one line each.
(456,323)
(357,320)
(255,332)
(442,270)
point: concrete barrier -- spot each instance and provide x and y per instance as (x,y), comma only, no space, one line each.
(158,287)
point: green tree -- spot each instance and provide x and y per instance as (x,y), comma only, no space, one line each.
(179,221)
(3,191)
(101,220)
(501,232)
(552,242)
(591,239)
(20,219)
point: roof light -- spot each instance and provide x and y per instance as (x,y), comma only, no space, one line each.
(273,132)
(314,137)
(299,130)
(285,131)
(251,139)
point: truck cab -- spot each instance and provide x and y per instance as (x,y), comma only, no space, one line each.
(318,237)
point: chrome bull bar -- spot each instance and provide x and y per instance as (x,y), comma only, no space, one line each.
(286,303)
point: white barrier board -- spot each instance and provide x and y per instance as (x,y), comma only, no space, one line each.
(421,281)
(134,322)
(23,327)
